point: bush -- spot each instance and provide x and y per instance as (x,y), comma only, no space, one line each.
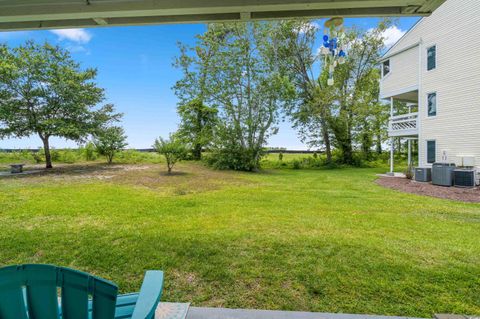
(110,141)
(296,164)
(89,152)
(54,155)
(235,158)
(67,156)
(39,156)
(173,149)
(280,156)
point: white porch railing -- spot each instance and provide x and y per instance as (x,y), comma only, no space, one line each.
(403,125)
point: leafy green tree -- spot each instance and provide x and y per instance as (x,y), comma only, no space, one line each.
(243,83)
(355,81)
(338,115)
(44,92)
(299,60)
(197,124)
(174,149)
(109,141)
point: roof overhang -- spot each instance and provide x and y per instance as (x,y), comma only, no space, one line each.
(54,14)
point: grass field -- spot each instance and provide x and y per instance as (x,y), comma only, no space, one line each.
(309,239)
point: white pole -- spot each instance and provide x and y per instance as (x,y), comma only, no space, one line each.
(391,154)
(391,106)
(391,139)
(409,141)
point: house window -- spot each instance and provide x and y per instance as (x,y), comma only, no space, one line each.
(432,104)
(431,152)
(385,67)
(431,58)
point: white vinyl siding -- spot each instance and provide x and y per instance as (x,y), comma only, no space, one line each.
(403,73)
(455,79)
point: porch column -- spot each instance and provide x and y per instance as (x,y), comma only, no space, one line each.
(392,147)
(391,106)
(409,142)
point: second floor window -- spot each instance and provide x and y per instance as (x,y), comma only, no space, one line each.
(432,104)
(385,67)
(431,58)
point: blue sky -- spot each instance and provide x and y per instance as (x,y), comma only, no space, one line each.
(135,68)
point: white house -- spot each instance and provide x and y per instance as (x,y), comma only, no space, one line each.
(435,67)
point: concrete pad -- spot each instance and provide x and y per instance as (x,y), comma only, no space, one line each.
(225,313)
(8,173)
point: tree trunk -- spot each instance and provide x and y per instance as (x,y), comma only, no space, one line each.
(197,152)
(46,148)
(379,144)
(326,141)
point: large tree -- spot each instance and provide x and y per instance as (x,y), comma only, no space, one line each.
(354,83)
(298,58)
(340,114)
(44,92)
(197,117)
(197,125)
(243,82)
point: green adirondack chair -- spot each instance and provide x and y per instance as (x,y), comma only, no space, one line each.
(51,292)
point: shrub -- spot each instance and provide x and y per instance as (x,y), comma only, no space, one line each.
(296,164)
(39,156)
(109,141)
(67,156)
(173,149)
(409,172)
(280,156)
(54,155)
(89,152)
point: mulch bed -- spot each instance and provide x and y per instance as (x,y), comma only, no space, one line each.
(427,189)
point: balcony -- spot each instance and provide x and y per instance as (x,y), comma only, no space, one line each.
(403,125)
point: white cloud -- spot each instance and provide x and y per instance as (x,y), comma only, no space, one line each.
(392,35)
(74,35)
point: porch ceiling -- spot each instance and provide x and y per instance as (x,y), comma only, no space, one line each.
(409,96)
(47,14)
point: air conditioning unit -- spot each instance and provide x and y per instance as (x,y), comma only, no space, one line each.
(423,174)
(465,177)
(468,160)
(442,174)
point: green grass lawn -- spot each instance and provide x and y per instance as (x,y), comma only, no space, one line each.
(313,240)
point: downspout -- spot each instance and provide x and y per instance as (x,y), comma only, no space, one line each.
(392,145)
(419,103)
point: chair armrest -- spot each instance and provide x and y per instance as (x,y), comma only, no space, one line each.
(149,295)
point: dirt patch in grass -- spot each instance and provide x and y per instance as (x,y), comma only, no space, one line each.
(427,189)
(186,178)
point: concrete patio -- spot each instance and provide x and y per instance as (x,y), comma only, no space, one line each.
(224,313)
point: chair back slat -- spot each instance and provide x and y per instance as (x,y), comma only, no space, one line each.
(12,303)
(104,299)
(75,289)
(30,292)
(41,292)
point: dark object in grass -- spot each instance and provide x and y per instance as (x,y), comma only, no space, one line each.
(16,168)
